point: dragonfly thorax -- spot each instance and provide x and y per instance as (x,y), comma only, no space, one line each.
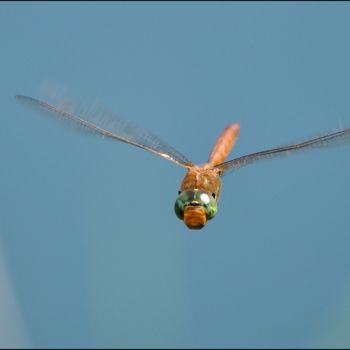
(202,178)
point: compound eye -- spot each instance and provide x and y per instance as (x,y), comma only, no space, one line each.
(184,198)
(196,198)
(205,199)
(208,201)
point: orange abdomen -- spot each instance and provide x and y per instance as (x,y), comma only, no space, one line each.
(224,144)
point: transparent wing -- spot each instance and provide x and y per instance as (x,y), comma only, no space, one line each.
(325,140)
(93,117)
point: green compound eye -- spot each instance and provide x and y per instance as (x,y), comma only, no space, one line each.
(184,198)
(196,197)
(210,205)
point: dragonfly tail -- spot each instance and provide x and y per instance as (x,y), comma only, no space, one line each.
(224,144)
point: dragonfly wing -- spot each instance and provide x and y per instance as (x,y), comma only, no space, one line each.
(322,141)
(93,117)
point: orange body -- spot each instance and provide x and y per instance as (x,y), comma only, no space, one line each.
(224,144)
(206,177)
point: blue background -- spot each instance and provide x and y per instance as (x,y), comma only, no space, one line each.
(91,252)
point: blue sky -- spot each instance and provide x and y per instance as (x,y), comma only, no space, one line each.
(91,252)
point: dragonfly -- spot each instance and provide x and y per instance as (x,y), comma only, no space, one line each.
(197,200)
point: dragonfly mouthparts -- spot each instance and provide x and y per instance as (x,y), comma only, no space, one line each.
(194,216)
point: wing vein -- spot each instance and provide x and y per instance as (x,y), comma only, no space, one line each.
(86,115)
(325,140)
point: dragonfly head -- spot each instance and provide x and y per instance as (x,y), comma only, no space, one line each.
(195,208)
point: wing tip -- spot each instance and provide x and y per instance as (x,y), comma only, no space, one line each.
(20,97)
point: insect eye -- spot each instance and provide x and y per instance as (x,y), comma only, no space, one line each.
(196,197)
(178,192)
(182,200)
